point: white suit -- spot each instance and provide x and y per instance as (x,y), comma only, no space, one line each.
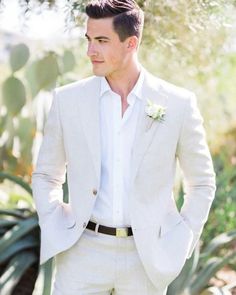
(164,237)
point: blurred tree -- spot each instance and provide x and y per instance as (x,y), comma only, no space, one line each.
(184,41)
(189,34)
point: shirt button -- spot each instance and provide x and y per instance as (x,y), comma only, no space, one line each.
(84,224)
(95,192)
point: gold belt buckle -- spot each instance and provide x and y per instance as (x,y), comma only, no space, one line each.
(122,232)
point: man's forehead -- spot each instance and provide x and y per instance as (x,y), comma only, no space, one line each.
(103,26)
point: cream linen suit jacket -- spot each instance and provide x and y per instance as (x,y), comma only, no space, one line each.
(164,237)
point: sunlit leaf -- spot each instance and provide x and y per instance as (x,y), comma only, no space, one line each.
(26,131)
(19,56)
(31,76)
(15,199)
(47,71)
(68,61)
(14,95)
(3,120)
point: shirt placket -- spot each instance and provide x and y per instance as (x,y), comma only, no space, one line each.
(125,125)
(117,164)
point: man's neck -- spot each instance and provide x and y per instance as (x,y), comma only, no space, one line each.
(124,82)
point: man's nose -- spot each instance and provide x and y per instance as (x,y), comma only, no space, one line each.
(91,51)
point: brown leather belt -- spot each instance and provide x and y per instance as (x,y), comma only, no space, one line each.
(120,232)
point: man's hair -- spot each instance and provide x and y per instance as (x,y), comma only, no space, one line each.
(127,16)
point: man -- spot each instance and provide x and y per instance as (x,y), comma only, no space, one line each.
(118,135)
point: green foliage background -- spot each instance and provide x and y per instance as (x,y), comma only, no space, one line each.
(187,42)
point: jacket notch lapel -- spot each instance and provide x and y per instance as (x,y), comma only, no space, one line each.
(146,126)
(90,118)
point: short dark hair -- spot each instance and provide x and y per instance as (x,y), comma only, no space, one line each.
(127,16)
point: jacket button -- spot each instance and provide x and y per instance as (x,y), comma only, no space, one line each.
(95,192)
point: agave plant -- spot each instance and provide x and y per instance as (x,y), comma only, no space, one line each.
(19,249)
(200,268)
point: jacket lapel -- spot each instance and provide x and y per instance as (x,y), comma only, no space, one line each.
(146,126)
(89,115)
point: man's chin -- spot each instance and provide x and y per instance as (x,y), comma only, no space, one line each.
(98,74)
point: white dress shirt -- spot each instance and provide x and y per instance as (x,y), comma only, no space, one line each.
(117,137)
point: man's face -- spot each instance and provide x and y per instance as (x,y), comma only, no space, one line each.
(107,53)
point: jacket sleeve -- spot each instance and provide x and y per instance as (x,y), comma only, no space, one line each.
(49,174)
(198,173)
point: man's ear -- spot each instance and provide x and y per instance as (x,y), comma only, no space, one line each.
(132,43)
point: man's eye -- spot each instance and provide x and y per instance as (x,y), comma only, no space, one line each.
(102,41)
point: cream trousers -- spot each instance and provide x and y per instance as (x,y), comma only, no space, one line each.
(102,264)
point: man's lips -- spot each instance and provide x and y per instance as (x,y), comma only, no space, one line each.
(97,61)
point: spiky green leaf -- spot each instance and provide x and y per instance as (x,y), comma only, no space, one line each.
(219,241)
(30,241)
(13,213)
(208,271)
(7,223)
(15,270)
(16,179)
(18,231)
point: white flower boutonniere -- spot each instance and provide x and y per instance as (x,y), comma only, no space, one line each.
(155,111)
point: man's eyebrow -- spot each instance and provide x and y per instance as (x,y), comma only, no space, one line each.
(98,37)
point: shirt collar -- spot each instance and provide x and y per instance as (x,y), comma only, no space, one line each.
(137,89)
(104,86)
